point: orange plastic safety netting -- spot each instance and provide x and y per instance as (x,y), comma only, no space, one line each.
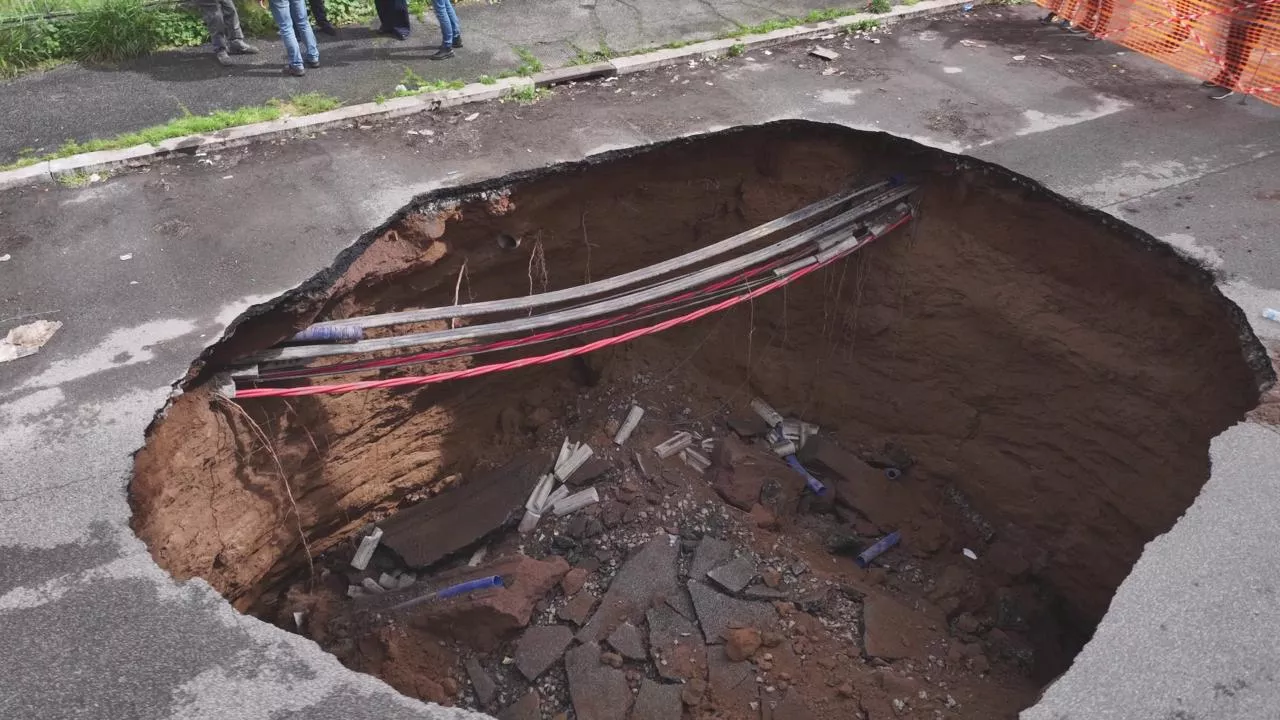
(1235,44)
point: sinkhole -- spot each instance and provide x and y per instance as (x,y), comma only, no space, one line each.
(1046,378)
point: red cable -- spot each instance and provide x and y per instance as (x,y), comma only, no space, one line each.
(555,356)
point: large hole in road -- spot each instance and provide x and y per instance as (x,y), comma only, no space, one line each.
(1048,378)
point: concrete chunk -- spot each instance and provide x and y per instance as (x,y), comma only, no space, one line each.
(540,647)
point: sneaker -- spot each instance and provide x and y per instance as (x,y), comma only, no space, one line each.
(1222,94)
(444,53)
(400,34)
(240,47)
(294,70)
(1048,19)
(457,41)
(223,58)
(328,29)
(312,63)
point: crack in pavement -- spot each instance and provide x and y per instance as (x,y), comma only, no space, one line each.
(1197,178)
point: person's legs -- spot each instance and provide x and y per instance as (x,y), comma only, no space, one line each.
(306,37)
(284,22)
(322,17)
(394,17)
(444,13)
(456,40)
(235,35)
(211,11)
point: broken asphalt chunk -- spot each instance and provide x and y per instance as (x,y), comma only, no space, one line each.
(540,647)
(735,574)
(711,553)
(648,574)
(598,691)
(528,707)
(676,645)
(717,612)
(461,515)
(627,641)
(657,701)
(486,689)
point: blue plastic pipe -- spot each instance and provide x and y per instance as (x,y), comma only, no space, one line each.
(329,334)
(484,583)
(874,551)
(814,484)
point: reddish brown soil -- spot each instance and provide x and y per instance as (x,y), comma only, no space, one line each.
(1055,376)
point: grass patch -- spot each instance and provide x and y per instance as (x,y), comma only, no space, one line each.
(107,31)
(879,6)
(189,124)
(411,83)
(487,80)
(76,179)
(587,57)
(737,50)
(529,63)
(526,95)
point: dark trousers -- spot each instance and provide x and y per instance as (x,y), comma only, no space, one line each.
(394,15)
(317,11)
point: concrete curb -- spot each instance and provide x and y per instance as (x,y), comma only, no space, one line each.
(50,170)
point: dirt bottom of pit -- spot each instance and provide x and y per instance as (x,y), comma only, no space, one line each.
(608,612)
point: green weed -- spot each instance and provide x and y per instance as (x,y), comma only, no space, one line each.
(189,124)
(737,50)
(487,80)
(879,6)
(526,95)
(585,57)
(529,63)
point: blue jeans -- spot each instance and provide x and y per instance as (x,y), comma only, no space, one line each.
(448,21)
(291,19)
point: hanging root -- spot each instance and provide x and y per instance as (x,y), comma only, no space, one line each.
(457,292)
(266,443)
(538,266)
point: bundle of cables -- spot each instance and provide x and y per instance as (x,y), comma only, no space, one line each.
(857,218)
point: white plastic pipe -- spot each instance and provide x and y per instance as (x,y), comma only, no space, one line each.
(766,412)
(576,501)
(628,425)
(529,522)
(365,552)
(678,442)
(575,461)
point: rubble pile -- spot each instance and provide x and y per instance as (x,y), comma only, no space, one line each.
(696,574)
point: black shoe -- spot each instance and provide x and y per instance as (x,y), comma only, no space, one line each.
(328,29)
(223,58)
(294,70)
(400,34)
(311,63)
(1222,94)
(1048,19)
(444,53)
(240,47)
(457,41)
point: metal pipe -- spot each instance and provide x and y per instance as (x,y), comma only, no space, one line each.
(603,307)
(608,284)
